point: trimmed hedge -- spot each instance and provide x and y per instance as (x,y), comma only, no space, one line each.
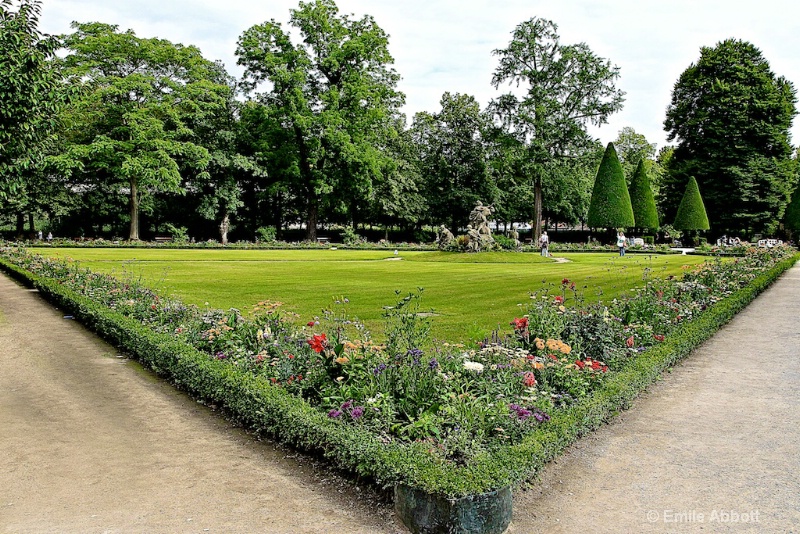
(253,402)
(642,201)
(691,211)
(610,206)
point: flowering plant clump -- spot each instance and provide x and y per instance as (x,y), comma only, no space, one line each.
(456,401)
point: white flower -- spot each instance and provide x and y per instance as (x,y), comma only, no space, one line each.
(473,366)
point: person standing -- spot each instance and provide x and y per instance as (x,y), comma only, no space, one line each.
(544,243)
(621,243)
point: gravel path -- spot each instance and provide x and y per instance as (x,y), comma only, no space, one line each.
(713,447)
(90,443)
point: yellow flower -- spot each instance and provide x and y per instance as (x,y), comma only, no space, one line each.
(343,360)
(539,343)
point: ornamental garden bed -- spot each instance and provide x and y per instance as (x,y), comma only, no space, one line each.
(447,421)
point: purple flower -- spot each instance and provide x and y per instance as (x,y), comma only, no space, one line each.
(333,414)
(378,370)
(357,412)
(347,405)
(433,364)
(221,356)
(414,353)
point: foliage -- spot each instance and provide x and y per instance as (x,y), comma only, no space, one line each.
(452,156)
(731,116)
(642,201)
(30,96)
(691,211)
(128,129)
(564,88)
(611,202)
(330,102)
(266,234)
(791,219)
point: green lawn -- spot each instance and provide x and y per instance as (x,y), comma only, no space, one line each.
(471,293)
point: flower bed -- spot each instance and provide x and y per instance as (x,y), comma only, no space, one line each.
(449,420)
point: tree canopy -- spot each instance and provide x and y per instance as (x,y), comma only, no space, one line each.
(731,116)
(128,131)
(30,94)
(333,95)
(565,87)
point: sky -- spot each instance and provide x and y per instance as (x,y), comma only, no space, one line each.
(446,45)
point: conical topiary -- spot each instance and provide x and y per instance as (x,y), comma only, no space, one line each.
(691,212)
(611,204)
(791,219)
(642,201)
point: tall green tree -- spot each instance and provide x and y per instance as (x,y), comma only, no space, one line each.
(30,95)
(731,116)
(691,215)
(642,200)
(791,218)
(334,93)
(128,131)
(453,159)
(565,87)
(610,206)
(633,147)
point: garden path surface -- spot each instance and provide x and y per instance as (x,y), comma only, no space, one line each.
(87,444)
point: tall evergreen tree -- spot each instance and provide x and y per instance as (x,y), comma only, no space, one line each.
(791,220)
(731,116)
(691,213)
(610,206)
(642,201)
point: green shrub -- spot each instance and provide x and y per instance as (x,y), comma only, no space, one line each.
(610,206)
(642,201)
(649,240)
(266,234)
(691,211)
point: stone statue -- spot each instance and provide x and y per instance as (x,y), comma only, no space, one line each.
(479,222)
(474,239)
(444,238)
(513,234)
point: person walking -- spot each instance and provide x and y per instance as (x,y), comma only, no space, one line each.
(544,243)
(621,243)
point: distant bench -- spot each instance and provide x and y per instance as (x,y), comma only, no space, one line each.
(163,240)
(323,240)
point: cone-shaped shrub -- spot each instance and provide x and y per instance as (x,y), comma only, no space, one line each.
(611,204)
(791,220)
(642,201)
(691,212)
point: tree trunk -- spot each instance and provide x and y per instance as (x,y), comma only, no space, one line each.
(537,209)
(31,224)
(224,226)
(20,224)
(311,219)
(134,203)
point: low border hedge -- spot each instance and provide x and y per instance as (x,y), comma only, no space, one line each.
(255,403)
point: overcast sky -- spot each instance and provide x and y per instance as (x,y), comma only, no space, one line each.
(446,45)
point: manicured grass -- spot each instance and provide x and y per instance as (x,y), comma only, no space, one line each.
(472,294)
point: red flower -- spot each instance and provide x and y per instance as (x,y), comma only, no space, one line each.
(565,282)
(318,342)
(559,299)
(658,337)
(629,342)
(310,323)
(529,379)
(520,323)
(580,364)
